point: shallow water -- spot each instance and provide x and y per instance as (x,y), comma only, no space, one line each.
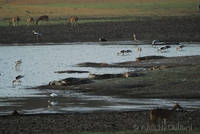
(39,62)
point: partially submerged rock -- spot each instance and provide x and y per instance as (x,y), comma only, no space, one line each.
(71,71)
(104,76)
(159,67)
(70,82)
(92,64)
(149,58)
(108,76)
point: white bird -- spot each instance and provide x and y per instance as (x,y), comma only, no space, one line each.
(17,64)
(18,61)
(154,42)
(52,103)
(36,33)
(134,37)
(53,95)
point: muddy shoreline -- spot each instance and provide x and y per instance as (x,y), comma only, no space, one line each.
(176,29)
(174,81)
(96,122)
(177,76)
(178,79)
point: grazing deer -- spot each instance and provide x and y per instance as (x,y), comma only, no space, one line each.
(42,18)
(73,20)
(162,114)
(14,21)
(29,20)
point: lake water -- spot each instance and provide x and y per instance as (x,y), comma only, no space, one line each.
(39,62)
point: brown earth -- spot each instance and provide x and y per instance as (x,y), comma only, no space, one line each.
(97,122)
(166,29)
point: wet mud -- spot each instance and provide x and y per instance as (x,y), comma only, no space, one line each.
(169,29)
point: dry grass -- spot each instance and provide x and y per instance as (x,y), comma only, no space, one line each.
(97,8)
(94,8)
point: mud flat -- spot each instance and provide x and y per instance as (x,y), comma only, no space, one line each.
(174,77)
(97,122)
(178,79)
(175,29)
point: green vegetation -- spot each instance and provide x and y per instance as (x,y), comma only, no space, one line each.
(126,5)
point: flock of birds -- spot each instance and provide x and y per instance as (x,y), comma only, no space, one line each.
(155,44)
(52,102)
(18,78)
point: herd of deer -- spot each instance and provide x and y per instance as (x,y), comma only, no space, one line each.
(14,21)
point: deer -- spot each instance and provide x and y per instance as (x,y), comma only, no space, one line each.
(73,19)
(29,20)
(14,21)
(42,18)
(162,114)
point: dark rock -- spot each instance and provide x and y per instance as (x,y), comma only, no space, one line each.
(149,58)
(71,71)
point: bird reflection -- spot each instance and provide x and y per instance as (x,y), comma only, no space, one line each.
(52,103)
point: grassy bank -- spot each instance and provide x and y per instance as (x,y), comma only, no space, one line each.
(63,9)
(180,29)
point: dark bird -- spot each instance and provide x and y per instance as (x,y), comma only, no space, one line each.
(164,47)
(17,79)
(102,39)
(179,47)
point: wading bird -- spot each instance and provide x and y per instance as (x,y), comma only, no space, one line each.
(17,79)
(17,64)
(37,35)
(179,47)
(53,95)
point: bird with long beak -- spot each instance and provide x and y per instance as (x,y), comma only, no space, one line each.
(17,79)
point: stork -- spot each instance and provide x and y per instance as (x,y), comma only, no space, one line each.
(17,79)
(53,95)
(179,47)
(154,42)
(17,63)
(102,39)
(37,35)
(164,48)
(134,37)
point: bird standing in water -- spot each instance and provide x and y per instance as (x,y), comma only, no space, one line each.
(17,79)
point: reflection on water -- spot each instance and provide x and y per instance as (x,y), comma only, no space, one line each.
(38,64)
